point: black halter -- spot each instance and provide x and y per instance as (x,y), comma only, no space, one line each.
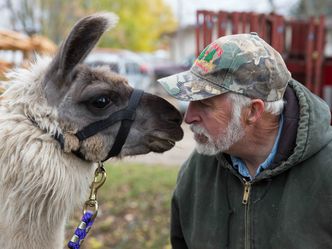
(126,116)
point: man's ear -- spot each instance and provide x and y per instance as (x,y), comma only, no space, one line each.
(254,111)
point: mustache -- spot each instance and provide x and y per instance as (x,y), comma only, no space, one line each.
(198,129)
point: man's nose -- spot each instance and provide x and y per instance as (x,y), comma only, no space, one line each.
(192,114)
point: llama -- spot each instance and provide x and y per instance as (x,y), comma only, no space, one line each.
(45,169)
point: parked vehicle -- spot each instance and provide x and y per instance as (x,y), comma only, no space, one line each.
(126,63)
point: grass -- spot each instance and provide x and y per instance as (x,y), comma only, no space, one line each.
(134,208)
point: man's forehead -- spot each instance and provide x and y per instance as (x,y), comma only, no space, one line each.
(218,100)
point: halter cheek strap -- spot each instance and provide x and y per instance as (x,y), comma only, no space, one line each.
(126,116)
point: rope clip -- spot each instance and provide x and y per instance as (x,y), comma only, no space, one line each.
(100,177)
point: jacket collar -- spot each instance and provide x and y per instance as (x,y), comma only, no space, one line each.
(288,135)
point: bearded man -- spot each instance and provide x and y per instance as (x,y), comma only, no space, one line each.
(260,176)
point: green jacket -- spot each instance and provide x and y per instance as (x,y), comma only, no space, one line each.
(287,206)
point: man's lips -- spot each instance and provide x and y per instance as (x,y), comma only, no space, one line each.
(201,138)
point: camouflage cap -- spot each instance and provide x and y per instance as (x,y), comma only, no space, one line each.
(242,63)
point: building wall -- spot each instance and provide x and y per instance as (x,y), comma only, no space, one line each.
(183,44)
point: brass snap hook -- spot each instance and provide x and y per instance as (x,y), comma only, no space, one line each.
(99,179)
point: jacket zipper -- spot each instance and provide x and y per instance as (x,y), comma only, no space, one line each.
(246,192)
(245,202)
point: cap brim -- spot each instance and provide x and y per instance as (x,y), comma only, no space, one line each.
(187,86)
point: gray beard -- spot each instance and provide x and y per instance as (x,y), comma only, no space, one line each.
(233,133)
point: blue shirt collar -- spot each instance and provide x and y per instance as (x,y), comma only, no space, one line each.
(240,166)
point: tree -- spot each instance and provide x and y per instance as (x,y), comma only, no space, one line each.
(141,23)
(272,5)
(140,27)
(308,8)
(47,17)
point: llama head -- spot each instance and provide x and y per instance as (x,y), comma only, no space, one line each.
(82,95)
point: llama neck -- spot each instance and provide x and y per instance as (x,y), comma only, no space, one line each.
(40,184)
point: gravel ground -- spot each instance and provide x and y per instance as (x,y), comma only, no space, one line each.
(173,157)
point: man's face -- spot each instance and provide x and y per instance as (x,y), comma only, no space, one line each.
(216,128)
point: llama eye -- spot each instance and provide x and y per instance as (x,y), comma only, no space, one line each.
(101,102)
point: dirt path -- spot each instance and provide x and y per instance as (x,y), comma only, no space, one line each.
(174,157)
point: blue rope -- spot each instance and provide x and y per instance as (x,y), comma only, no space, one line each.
(82,230)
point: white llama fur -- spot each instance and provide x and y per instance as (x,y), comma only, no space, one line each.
(37,177)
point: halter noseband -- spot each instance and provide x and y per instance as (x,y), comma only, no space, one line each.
(126,116)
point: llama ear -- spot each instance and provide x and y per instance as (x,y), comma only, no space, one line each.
(81,40)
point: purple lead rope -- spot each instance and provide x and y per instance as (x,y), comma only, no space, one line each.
(81,231)
(90,209)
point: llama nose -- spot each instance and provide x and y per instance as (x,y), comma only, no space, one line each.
(165,110)
(174,115)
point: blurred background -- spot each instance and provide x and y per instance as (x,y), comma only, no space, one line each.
(154,39)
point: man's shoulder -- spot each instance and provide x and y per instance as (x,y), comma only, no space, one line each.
(322,160)
(198,165)
(198,158)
